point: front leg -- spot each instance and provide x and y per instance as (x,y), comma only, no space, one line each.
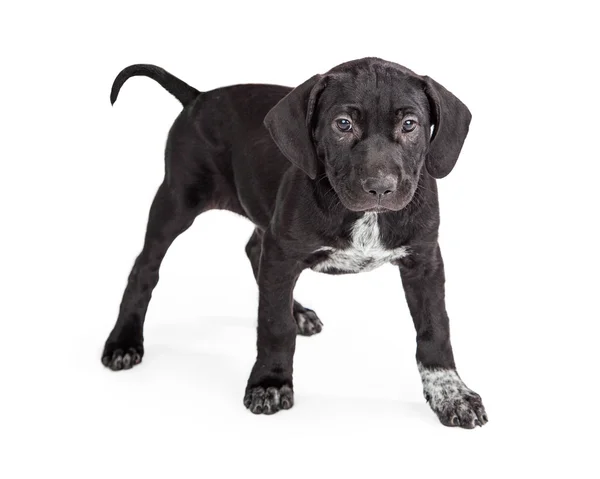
(423,280)
(270,386)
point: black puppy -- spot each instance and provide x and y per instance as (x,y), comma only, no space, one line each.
(338,175)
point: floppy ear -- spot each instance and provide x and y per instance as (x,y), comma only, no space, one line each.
(451,119)
(290,124)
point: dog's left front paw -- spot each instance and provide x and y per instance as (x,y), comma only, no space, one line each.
(453,402)
(463,410)
(260,400)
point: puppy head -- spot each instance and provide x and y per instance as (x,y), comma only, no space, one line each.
(367,125)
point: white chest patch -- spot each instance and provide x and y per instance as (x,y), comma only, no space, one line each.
(365,252)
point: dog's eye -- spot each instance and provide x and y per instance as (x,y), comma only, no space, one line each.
(409,125)
(343,124)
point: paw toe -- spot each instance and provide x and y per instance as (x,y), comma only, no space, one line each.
(287,397)
(481,415)
(116,362)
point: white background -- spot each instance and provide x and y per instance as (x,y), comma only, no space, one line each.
(519,237)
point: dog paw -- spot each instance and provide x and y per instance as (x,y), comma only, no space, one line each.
(464,411)
(260,400)
(307,320)
(454,403)
(121,356)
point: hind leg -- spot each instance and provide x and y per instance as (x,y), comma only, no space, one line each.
(170,215)
(307,321)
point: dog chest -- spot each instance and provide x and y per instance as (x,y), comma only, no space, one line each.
(365,253)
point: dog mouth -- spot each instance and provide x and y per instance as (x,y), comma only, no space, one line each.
(377,209)
(379,205)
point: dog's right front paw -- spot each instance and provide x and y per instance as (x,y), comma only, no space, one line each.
(260,400)
(118,356)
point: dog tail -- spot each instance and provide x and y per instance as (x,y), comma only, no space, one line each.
(176,87)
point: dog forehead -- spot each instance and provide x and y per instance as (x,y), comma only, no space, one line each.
(374,87)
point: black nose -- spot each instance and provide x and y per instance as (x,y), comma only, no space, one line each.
(380,186)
